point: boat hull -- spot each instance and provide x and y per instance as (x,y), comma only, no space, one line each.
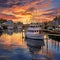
(35,42)
(39,36)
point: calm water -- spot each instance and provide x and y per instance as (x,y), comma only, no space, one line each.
(13,46)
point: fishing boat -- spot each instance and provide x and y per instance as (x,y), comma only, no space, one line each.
(34,31)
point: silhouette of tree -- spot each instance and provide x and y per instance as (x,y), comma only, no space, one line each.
(2,20)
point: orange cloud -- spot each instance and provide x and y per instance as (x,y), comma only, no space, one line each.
(8,17)
(24,13)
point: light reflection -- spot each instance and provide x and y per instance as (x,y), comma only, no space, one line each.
(47,51)
(14,39)
(39,51)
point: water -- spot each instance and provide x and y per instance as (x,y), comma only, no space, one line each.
(13,46)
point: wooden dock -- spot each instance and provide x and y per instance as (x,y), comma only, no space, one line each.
(51,31)
(54,34)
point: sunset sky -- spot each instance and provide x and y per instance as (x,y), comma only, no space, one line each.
(24,10)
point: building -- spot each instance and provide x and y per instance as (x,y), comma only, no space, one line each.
(10,24)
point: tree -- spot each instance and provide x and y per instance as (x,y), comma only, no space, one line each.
(56,18)
(2,20)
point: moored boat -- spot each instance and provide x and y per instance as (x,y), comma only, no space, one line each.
(34,31)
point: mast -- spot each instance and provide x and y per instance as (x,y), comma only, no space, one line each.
(34,15)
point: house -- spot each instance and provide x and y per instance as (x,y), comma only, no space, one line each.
(10,24)
(56,23)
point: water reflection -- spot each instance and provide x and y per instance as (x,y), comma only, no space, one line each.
(9,37)
(13,46)
(53,46)
(34,47)
(10,32)
(1,33)
(35,43)
(40,49)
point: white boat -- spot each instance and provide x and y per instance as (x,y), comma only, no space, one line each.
(34,31)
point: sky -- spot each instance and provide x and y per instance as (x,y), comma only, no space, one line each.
(29,10)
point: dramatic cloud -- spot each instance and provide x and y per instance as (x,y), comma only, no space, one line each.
(24,10)
(9,17)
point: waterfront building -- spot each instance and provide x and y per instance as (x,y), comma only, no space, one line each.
(10,24)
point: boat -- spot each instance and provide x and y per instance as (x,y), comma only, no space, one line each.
(34,47)
(35,43)
(34,31)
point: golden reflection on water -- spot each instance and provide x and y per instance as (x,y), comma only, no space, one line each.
(18,40)
(14,39)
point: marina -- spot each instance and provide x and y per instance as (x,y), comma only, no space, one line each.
(14,46)
(29,29)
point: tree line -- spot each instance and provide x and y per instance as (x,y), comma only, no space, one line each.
(2,20)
